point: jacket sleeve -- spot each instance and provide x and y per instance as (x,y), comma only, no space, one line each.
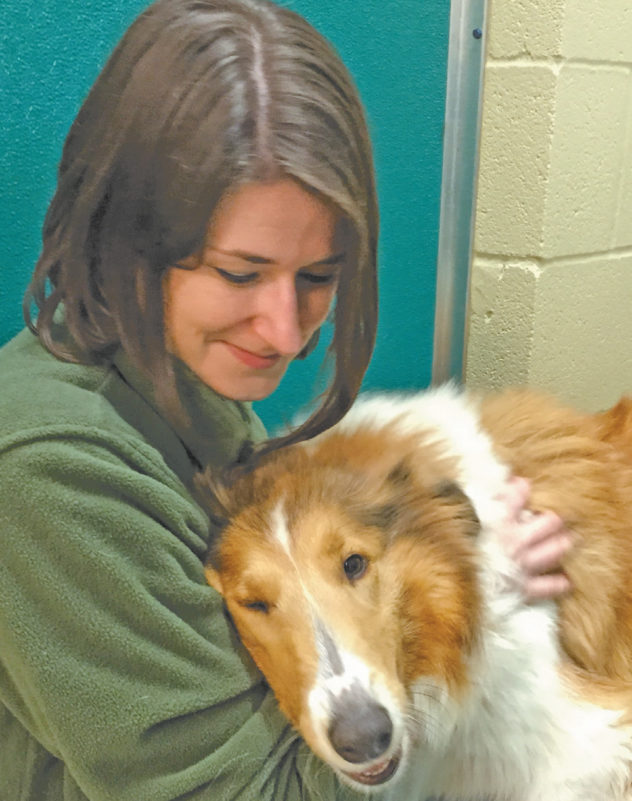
(116,656)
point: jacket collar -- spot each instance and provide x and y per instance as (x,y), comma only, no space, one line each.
(217,427)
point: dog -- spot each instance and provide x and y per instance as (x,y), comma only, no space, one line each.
(365,573)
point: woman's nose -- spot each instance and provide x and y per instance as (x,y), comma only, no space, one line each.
(278,319)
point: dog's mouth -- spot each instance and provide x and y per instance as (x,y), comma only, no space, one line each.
(379,773)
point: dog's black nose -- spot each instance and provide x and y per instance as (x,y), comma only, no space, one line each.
(361,729)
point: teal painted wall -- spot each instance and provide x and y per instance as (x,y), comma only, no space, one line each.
(51,51)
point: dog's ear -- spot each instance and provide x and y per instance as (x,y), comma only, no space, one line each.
(407,505)
(401,474)
(399,484)
(392,498)
(212,492)
(462,507)
(213,578)
(218,500)
(223,494)
(383,515)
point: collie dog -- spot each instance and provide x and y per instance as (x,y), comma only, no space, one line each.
(365,573)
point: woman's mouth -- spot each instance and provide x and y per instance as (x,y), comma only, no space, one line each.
(251,359)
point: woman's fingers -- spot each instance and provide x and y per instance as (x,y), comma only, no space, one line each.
(515,496)
(537,543)
(551,585)
(543,536)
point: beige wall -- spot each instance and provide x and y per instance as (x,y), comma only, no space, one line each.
(551,291)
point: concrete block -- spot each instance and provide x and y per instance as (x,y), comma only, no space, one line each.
(599,31)
(517,131)
(582,331)
(586,158)
(530,28)
(563,327)
(624,222)
(499,343)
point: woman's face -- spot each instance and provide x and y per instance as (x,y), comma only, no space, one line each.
(261,287)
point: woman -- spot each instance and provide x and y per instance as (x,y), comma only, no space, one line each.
(215,196)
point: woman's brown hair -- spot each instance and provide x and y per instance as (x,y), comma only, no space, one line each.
(201,96)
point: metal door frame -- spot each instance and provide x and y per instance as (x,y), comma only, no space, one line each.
(466,61)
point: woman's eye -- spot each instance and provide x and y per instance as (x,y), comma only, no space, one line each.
(355,566)
(319,279)
(237,278)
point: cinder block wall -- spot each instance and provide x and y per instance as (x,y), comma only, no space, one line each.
(551,290)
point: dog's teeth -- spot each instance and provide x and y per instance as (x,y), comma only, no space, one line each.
(376,769)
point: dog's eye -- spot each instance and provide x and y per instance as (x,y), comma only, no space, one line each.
(355,566)
(256,606)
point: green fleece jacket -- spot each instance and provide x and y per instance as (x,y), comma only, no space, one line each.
(121,678)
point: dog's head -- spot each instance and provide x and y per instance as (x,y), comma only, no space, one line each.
(349,570)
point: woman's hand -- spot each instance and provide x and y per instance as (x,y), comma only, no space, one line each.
(536,542)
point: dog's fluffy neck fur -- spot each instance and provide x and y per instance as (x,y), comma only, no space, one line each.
(517,729)
(564,748)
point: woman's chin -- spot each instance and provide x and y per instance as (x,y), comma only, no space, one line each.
(231,379)
(252,388)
